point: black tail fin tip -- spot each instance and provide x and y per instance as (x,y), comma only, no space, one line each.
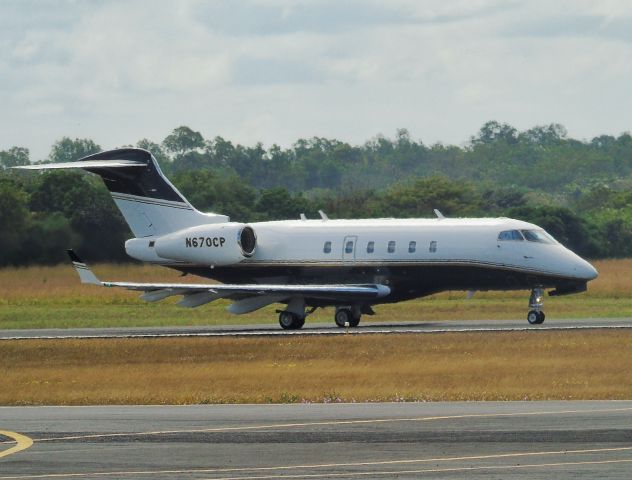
(145,182)
(73,256)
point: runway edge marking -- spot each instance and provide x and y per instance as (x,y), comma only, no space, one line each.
(318,333)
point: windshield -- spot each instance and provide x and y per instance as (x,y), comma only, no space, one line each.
(510,235)
(539,236)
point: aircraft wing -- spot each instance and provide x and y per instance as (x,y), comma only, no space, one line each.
(249,297)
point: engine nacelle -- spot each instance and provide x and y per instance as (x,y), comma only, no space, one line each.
(214,244)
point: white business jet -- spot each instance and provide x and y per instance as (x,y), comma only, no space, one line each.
(304,264)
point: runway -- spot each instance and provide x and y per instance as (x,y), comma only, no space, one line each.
(366,328)
(483,440)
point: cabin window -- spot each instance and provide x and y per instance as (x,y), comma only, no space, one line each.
(510,235)
(391,246)
(370,247)
(349,247)
(412,246)
(152,243)
(539,236)
(327,247)
(433,246)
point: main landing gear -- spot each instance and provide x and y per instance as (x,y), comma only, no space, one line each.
(347,317)
(344,317)
(536,302)
(293,317)
(290,320)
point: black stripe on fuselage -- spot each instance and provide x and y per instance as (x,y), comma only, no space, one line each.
(406,281)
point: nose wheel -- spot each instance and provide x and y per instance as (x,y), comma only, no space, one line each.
(535,318)
(536,302)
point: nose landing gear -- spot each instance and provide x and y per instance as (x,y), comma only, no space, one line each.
(536,302)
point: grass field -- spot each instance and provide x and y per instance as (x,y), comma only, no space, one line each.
(52,297)
(529,365)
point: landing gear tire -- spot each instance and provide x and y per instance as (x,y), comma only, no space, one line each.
(536,317)
(345,317)
(290,321)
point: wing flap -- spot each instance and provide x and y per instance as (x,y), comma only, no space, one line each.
(250,304)
(247,296)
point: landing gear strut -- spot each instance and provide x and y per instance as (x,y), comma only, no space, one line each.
(347,317)
(536,302)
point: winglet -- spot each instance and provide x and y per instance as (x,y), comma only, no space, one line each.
(85,274)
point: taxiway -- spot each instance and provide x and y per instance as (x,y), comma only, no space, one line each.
(590,439)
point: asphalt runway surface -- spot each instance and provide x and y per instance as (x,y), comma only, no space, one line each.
(589,439)
(322,329)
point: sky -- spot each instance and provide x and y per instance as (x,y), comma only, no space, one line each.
(274,71)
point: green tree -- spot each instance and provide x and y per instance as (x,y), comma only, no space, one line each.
(279,204)
(68,150)
(183,140)
(14,157)
(47,239)
(419,197)
(14,220)
(494,131)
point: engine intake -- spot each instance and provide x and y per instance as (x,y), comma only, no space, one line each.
(215,244)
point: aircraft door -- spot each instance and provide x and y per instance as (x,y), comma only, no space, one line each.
(349,248)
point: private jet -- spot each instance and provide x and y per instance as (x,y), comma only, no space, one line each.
(305,264)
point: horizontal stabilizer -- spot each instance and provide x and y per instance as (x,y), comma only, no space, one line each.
(92,164)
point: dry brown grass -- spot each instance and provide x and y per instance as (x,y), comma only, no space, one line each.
(454,366)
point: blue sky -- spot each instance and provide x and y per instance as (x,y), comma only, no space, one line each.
(275,71)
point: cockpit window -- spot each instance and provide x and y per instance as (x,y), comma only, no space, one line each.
(539,236)
(510,235)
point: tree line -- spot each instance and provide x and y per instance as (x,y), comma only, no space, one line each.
(578,190)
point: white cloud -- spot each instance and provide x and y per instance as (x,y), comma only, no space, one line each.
(275,71)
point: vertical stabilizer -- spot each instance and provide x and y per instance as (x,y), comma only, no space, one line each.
(150,204)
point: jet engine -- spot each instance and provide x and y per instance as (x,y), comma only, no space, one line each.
(214,244)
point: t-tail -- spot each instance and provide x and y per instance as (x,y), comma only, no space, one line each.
(150,204)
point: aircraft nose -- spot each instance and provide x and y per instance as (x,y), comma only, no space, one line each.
(585,270)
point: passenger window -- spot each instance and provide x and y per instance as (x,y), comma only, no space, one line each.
(370,247)
(510,235)
(391,246)
(152,243)
(412,246)
(327,247)
(433,246)
(349,247)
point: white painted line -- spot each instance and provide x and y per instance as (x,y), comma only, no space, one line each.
(323,332)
